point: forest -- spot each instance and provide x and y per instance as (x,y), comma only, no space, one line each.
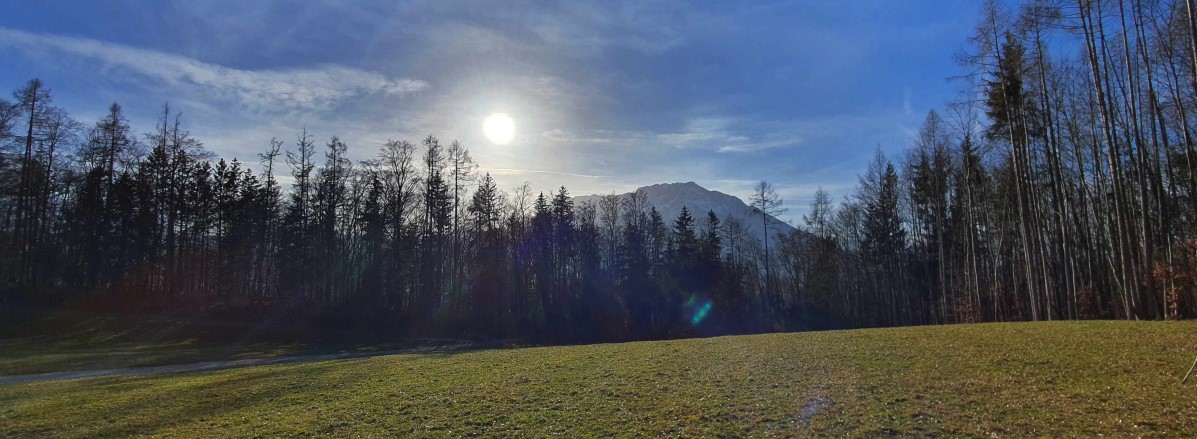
(1060,184)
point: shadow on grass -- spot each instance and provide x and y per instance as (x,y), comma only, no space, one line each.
(438,351)
(145,405)
(74,340)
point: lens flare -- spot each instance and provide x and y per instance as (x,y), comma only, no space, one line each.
(697,308)
(701,313)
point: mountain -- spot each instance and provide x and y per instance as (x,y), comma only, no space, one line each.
(670,197)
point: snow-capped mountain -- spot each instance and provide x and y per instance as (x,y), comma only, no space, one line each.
(670,197)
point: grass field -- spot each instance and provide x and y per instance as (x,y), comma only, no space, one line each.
(1117,379)
(28,357)
(78,341)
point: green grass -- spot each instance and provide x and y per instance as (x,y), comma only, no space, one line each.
(1119,379)
(75,341)
(21,358)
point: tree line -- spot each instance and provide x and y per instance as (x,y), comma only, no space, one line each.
(1060,185)
(411,242)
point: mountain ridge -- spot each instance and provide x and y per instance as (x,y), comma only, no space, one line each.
(669,198)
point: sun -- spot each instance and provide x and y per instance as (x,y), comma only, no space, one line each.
(499,128)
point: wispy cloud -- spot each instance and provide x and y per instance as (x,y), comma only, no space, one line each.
(680,139)
(591,27)
(312,88)
(750,146)
(510,171)
(718,134)
(598,136)
(907,108)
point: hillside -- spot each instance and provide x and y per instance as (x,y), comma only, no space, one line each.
(1082,379)
(670,197)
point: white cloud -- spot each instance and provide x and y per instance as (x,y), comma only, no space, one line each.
(761,144)
(678,139)
(717,133)
(596,136)
(509,171)
(312,88)
(700,131)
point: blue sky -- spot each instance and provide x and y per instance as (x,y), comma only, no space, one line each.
(607,96)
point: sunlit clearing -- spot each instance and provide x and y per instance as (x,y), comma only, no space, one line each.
(499,128)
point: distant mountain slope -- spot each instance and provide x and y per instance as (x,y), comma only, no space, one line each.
(670,197)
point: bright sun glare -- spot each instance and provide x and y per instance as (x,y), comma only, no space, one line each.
(499,128)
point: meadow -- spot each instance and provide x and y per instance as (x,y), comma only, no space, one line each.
(987,380)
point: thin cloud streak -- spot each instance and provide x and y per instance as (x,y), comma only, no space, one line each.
(510,171)
(315,88)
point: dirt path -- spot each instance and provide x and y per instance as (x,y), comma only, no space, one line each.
(213,365)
